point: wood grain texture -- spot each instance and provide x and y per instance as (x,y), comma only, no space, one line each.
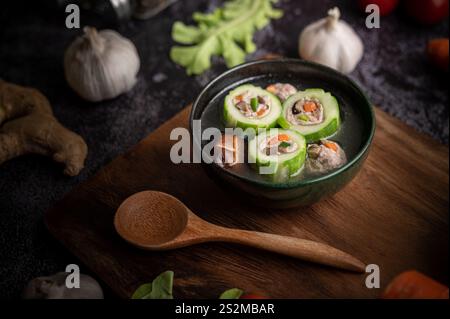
(158,221)
(393,214)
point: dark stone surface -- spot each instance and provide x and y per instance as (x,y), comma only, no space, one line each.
(394,73)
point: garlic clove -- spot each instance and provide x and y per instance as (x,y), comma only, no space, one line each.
(54,287)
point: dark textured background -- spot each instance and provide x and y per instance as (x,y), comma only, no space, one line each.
(394,72)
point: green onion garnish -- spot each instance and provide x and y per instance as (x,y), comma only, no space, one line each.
(285,144)
(254,104)
(303,118)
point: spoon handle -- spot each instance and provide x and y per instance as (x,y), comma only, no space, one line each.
(295,247)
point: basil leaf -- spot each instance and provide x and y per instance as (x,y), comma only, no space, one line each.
(143,291)
(160,288)
(233,293)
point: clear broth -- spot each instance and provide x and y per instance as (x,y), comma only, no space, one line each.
(349,136)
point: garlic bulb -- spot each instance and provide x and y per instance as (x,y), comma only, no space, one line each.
(331,42)
(101,65)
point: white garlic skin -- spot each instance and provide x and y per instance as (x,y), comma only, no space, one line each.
(101,65)
(331,42)
(54,287)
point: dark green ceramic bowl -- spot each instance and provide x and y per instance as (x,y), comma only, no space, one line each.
(355,108)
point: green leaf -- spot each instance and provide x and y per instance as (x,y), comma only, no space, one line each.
(227,32)
(233,293)
(143,291)
(208,19)
(185,34)
(160,288)
(232,53)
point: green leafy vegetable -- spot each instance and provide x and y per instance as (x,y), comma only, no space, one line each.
(160,288)
(285,144)
(233,293)
(227,31)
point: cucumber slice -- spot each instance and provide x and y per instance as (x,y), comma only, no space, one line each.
(278,167)
(233,117)
(331,115)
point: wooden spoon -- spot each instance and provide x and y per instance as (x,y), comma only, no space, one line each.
(158,221)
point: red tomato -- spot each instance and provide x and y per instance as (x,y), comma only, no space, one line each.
(250,296)
(427,11)
(386,6)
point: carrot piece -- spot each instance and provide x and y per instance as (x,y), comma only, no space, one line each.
(415,285)
(310,106)
(271,89)
(332,146)
(279,138)
(239,98)
(438,52)
(261,112)
(283,137)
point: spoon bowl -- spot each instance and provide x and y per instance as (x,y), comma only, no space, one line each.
(158,221)
(150,219)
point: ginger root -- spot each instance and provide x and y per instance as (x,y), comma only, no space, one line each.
(27,125)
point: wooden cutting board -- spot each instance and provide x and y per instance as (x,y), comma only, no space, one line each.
(394,214)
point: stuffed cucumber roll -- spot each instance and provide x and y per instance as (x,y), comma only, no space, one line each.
(249,106)
(278,153)
(313,113)
(324,156)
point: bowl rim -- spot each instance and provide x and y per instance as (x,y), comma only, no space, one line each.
(300,183)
